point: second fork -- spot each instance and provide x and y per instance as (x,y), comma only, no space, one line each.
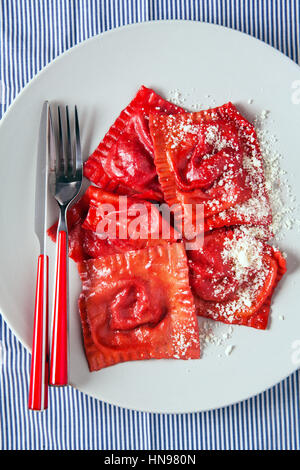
(65,180)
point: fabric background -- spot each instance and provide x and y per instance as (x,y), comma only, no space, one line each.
(32,34)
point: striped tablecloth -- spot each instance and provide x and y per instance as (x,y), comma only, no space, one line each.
(33,33)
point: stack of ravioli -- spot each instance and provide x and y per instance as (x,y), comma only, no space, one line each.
(141,295)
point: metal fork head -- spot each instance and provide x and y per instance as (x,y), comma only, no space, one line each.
(65,175)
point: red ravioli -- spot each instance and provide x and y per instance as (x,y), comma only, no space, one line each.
(123,161)
(138,305)
(256,210)
(85,217)
(199,160)
(212,157)
(234,276)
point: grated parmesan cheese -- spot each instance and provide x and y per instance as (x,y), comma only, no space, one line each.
(282,200)
(244,252)
(209,334)
(176,97)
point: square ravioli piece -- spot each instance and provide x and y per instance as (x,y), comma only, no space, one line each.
(233,277)
(138,305)
(123,161)
(212,158)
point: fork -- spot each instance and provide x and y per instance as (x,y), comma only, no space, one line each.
(65,179)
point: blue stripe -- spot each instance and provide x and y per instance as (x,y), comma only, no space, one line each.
(32,34)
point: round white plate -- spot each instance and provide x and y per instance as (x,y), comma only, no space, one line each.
(101,76)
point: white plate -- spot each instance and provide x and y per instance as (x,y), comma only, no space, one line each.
(101,76)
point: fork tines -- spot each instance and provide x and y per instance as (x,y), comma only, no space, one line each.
(67,161)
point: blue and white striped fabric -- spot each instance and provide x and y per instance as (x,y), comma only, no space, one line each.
(33,33)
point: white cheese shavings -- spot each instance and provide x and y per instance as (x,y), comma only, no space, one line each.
(176,97)
(212,333)
(244,252)
(282,200)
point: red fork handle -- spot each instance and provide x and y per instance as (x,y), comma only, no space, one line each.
(59,343)
(38,387)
